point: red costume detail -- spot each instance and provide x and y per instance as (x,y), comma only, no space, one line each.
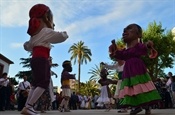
(36,12)
(41,51)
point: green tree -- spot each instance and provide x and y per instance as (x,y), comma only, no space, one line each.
(26,64)
(89,88)
(164,44)
(80,54)
(95,73)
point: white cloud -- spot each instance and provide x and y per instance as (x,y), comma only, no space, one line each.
(115,13)
(77,17)
(15,13)
(16,45)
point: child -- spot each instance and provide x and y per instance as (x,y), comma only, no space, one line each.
(137,88)
(41,30)
(65,82)
(105,95)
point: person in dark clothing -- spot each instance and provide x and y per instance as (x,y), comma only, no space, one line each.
(74,101)
(9,91)
(23,86)
(167,99)
(4,81)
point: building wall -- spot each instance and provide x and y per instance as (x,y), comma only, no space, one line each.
(5,66)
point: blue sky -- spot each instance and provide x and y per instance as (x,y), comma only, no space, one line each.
(95,22)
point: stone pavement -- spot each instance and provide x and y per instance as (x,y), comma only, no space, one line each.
(95,112)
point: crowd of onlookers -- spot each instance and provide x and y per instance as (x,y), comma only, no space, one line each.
(7,94)
(165,86)
(9,99)
(166,89)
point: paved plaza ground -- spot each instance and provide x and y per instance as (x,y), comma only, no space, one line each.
(96,112)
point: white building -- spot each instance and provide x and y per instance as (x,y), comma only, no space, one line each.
(4,64)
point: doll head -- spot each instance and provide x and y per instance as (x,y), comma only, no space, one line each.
(132,32)
(67,66)
(103,73)
(40,16)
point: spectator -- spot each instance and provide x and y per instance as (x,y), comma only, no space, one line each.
(3,91)
(74,101)
(23,87)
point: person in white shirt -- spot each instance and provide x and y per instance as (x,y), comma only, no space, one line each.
(3,87)
(22,88)
(42,35)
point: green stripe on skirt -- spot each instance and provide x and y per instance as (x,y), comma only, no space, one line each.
(140,99)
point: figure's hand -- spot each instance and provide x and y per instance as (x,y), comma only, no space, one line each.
(64,33)
(153,53)
(149,44)
(112,56)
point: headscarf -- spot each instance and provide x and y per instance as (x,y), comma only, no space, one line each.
(37,11)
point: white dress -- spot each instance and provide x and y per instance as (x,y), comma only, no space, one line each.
(118,68)
(82,102)
(103,99)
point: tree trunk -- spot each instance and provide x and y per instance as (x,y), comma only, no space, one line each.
(79,65)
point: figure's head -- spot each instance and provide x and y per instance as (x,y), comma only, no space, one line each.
(103,73)
(113,41)
(170,74)
(40,15)
(67,66)
(25,78)
(4,75)
(132,32)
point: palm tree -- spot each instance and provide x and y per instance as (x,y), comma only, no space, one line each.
(80,54)
(95,73)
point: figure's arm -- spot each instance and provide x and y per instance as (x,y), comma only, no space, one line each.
(29,86)
(112,67)
(106,82)
(67,75)
(46,35)
(112,81)
(3,80)
(138,50)
(55,37)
